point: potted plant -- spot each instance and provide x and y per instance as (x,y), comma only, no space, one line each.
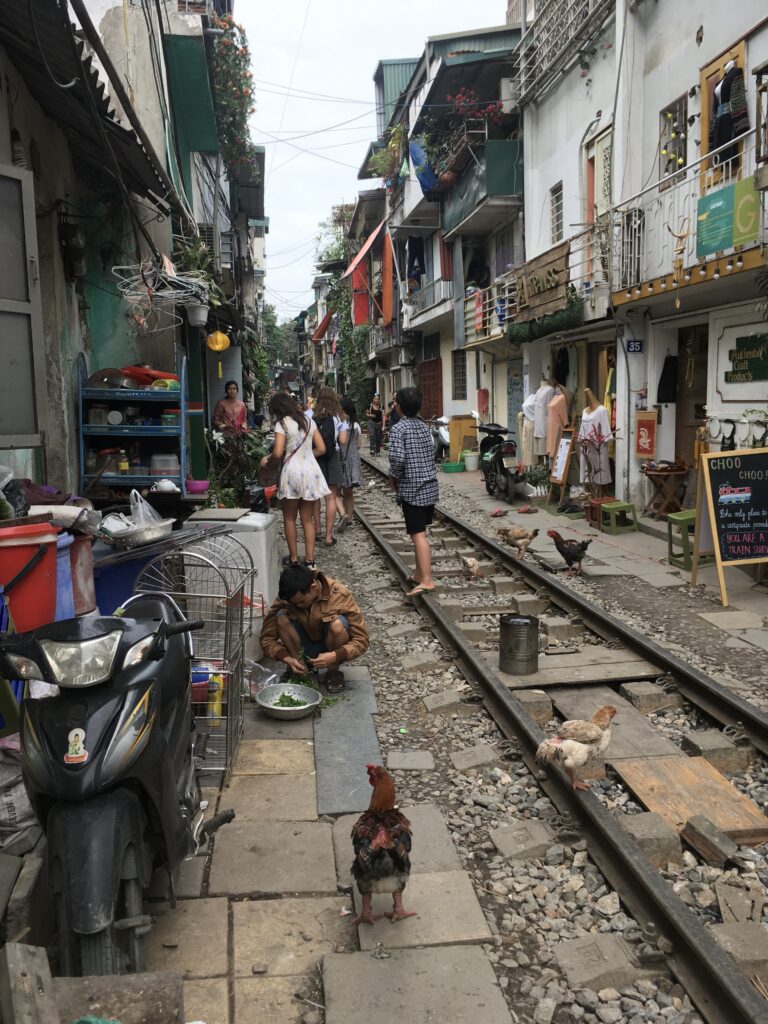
(195,261)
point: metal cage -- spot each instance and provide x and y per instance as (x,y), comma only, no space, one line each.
(212,579)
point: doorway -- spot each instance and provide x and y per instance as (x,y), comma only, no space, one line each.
(690,408)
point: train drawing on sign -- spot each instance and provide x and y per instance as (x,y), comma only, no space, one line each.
(728,495)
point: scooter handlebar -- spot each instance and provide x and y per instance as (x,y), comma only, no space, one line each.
(184,627)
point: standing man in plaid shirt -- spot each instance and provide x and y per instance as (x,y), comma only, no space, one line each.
(414,481)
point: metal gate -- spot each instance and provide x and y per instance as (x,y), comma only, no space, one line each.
(431,387)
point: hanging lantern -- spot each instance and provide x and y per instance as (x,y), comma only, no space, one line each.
(218,341)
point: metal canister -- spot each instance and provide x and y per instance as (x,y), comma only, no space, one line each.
(518,644)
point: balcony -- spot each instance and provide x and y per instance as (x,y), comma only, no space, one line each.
(676,234)
(380,338)
(487,311)
(431,301)
(489,191)
(559,31)
(589,269)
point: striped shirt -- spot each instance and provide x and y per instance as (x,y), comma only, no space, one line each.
(412,461)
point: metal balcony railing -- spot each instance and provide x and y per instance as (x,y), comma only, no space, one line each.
(589,267)
(654,233)
(380,337)
(196,7)
(560,30)
(487,311)
(431,294)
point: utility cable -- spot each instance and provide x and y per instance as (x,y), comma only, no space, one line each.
(53,78)
(311,152)
(290,81)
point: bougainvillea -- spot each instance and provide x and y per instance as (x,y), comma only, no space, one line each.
(233,94)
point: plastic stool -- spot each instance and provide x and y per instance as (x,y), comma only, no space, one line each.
(686,520)
(614,509)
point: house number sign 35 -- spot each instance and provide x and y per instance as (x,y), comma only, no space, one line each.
(634,345)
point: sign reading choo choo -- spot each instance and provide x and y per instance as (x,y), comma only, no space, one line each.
(542,284)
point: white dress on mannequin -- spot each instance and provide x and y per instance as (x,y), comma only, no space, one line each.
(597,426)
(527,451)
(541,401)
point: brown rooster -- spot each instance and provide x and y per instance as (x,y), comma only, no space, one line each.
(573,551)
(381,838)
(517,537)
(576,741)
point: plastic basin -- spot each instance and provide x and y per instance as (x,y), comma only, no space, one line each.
(453,467)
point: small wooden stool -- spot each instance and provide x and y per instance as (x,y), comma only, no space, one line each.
(614,509)
(683,559)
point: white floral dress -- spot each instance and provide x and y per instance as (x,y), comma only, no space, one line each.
(301,477)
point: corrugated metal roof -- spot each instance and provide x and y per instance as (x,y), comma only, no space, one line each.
(396,78)
(86,120)
(476,42)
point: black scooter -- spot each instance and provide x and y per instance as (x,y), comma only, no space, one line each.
(498,460)
(110,768)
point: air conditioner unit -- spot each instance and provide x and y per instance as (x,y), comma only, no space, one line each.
(509,94)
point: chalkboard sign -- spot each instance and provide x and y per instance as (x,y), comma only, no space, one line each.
(562,458)
(732,510)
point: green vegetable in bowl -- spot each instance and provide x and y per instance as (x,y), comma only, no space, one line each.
(287,700)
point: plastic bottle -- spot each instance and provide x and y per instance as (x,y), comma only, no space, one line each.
(215,699)
(122,463)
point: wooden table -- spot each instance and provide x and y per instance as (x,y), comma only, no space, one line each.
(666,485)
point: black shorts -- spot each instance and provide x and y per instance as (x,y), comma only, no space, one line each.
(417,517)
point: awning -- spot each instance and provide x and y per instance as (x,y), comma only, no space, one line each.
(322,327)
(48,43)
(364,251)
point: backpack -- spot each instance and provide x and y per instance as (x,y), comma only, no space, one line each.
(327,430)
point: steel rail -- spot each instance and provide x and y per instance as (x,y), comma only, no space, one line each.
(699,688)
(720,992)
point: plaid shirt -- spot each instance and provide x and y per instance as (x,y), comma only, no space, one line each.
(412,461)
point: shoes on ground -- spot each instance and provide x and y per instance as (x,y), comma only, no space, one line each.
(312,566)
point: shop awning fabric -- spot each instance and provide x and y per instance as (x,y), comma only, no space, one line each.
(322,327)
(357,260)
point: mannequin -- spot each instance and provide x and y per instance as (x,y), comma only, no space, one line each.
(557,417)
(525,420)
(595,467)
(541,401)
(730,117)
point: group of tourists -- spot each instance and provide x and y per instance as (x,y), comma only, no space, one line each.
(316,621)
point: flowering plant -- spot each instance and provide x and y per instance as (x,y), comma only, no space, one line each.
(466,105)
(233,93)
(233,459)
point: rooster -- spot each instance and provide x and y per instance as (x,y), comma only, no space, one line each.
(577,741)
(381,838)
(517,537)
(471,567)
(572,550)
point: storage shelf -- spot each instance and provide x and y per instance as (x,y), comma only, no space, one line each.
(122,395)
(116,479)
(131,431)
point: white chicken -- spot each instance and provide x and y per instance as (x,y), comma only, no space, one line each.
(576,741)
(471,567)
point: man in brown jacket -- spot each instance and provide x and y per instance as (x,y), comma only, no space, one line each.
(317,617)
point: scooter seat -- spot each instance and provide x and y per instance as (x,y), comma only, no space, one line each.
(493,428)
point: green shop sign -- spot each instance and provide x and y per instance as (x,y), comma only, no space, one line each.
(749,360)
(728,217)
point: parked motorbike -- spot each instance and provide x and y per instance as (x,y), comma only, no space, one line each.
(498,460)
(438,428)
(110,767)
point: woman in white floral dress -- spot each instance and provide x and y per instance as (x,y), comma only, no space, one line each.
(301,481)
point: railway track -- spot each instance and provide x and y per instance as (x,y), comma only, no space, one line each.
(720,992)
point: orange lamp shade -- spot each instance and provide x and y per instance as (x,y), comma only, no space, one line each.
(217,341)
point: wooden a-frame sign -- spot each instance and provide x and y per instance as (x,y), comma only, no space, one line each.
(561,462)
(731,511)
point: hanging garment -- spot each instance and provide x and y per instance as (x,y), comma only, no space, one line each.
(730,117)
(415,257)
(595,426)
(562,366)
(610,404)
(525,433)
(666,392)
(541,401)
(557,418)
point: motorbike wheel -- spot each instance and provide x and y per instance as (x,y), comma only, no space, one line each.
(491,483)
(113,951)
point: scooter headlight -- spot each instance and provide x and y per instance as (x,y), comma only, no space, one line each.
(82,664)
(139,651)
(23,667)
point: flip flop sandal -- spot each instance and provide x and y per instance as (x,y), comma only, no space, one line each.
(335,683)
(498,513)
(329,544)
(418,589)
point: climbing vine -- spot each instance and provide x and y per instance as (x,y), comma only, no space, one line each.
(233,93)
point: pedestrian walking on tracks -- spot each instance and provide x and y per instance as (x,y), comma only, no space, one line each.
(351,463)
(314,618)
(301,484)
(414,481)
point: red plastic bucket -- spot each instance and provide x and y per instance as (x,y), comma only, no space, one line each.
(32,600)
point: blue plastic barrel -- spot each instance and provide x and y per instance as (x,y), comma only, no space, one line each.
(65,597)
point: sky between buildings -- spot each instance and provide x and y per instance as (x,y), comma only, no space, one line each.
(304,52)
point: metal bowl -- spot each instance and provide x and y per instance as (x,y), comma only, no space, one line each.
(138,538)
(266,700)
